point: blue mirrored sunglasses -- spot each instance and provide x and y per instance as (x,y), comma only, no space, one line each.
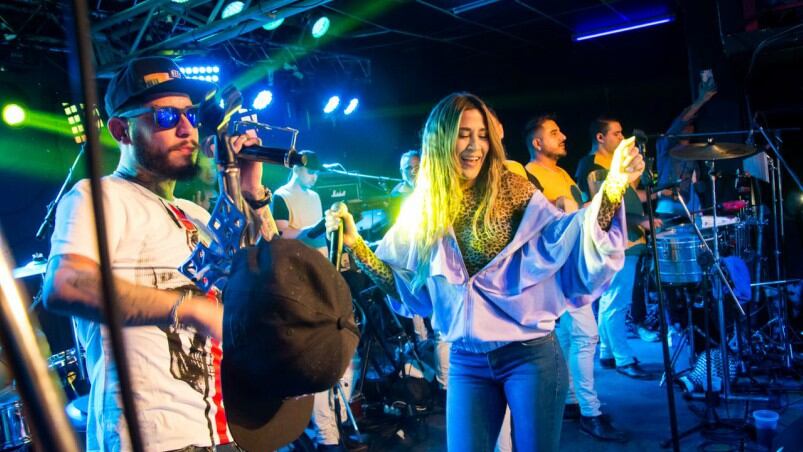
(167,117)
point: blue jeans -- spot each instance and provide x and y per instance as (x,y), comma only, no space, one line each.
(530,377)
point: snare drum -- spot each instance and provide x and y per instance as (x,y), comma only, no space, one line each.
(677,254)
(13,430)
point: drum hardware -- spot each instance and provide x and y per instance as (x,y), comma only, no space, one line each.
(775,283)
(718,280)
(14,432)
(37,266)
(711,151)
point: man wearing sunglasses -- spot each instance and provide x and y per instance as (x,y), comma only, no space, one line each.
(172,332)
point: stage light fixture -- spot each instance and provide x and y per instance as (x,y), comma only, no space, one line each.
(75,120)
(622,29)
(331,104)
(320,27)
(206,73)
(13,114)
(274,24)
(263,99)
(232,9)
(353,103)
(179,1)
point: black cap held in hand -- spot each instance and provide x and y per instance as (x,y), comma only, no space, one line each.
(288,332)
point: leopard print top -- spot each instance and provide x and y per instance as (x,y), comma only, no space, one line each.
(514,196)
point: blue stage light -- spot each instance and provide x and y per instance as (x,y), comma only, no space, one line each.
(206,73)
(232,9)
(320,27)
(263,99)
(274,24)
(622,29)
(331,104)
(353,103)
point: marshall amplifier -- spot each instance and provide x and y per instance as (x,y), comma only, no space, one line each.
(332,193)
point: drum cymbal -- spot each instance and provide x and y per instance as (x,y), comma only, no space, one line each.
(711,151)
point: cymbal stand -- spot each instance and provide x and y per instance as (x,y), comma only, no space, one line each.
(778,236)
(687,338)
(778,214)
(716,269)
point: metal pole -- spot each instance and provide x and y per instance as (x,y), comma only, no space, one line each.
(670,379)
(717,287)
(83,44)
(45,407)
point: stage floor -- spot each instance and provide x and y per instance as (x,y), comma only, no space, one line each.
(638,407)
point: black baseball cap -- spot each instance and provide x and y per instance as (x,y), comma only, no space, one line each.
(288,332)
(147,78)
(312,161)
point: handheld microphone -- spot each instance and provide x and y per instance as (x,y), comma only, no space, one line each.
(336,238)
(276,156)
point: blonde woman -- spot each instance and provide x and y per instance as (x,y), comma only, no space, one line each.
(480,250)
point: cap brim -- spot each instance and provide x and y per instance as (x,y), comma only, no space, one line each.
(286,425)
(259,422)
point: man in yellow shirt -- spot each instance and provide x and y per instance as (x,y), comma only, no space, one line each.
(577,331)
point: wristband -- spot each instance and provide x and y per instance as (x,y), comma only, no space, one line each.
(257,204)
(614,187)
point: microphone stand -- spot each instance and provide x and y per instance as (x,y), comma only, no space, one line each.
(46,228)
(44,231)
(344,172)
(669,372)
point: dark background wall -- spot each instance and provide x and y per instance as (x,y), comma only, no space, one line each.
(644,77)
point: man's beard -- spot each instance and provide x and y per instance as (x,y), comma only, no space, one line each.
(159,163)
(555,155)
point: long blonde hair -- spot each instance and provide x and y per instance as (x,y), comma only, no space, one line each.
(432,207)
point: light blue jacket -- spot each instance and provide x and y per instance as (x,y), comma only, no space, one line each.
(554,261)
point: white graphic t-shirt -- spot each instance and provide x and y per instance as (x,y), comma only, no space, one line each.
(175,372)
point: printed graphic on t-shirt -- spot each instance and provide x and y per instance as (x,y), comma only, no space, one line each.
(191,363)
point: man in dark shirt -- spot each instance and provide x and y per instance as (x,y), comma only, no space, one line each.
(606,134)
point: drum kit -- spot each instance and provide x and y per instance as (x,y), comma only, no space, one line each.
(708,261)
